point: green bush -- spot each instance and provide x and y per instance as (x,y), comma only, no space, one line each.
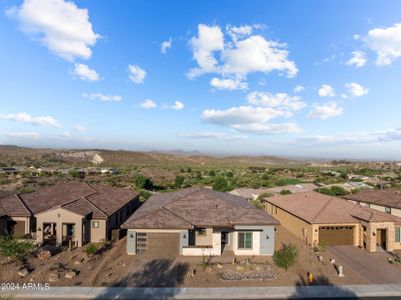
(145,195)
(286,256)
(285,192)
(333,191)
(257,203)
(287,181)
(142,182)
(14,247)
(220,184)
(90,249)
(179,180)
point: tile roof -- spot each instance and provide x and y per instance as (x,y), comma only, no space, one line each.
(196,207)
(79,197)
(386,197)
(317,208)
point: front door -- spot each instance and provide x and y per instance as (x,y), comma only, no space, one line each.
(224,237)
(381,238)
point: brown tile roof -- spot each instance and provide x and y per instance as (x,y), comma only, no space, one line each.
(386,197)
(196,207)
(317,208)
(78,197)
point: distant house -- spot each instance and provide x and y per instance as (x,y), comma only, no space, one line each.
(317,218)
(199,221)
(75,211)
(248,193)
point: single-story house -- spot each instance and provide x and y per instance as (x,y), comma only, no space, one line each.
(317,218)
(387,200)
(199,221)
(75,211)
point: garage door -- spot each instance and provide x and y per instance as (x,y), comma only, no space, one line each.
(158,244)
(16,227)
(336,235)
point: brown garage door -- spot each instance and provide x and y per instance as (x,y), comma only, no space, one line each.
(158,244)
(336,235)
(16,227)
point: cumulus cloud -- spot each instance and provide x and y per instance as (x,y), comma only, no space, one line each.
(136,74)
(166,45)
(148,104)
(358,59)
(212,135)
(356,137)
(326,91)
(28,119)
(102,97)
(259,128)
(325,111)
(59,25)
(85,73)
(298,89)
(22,135)
(79,128)
(228,84)
(178,105)
(355,89)
(243,53)
(386,42)
(281,100)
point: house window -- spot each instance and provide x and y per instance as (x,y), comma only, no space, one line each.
(245,240)
(397,234)
(201,231)
(387,210)
(95,224)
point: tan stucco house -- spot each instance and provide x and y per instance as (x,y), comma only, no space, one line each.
(75,211)
(199,221)
(318,218)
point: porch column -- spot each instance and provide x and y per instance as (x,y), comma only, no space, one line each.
(78,233)
(51,228)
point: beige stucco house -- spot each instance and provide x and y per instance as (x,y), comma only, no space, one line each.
(75,211)
(317,218)
(200,221)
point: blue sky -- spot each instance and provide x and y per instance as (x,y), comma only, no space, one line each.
(289,78)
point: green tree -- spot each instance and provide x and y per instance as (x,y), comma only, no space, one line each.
(212,173)
(286,256)
(145,195)
(229,174)
(14,247)
(179,180)
(189,170)
(220,184)
(142,182)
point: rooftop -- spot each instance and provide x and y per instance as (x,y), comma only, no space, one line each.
(386,197)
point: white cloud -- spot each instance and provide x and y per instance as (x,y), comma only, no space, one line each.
(268,128)
(28,119)
(79,128)
(327,110)
(244,53)
(356,90)
(178,105)
(65,135)
(358,59)
(85,73)
(59,25)
(102,97)
(326,91)
(228,84)
(281,100)
(166,45)
(136,74)
(22,135)
(212,135)
(356,137)
(298,89)
(386,42)
(148,104)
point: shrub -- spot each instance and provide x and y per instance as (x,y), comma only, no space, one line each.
(179,180)
(286,256)
(333,191)
(285,192)
(90,249)
(257,203)
(145,195)
(142,182)
(212,173)
(287,181)
(14,247)
(220,184)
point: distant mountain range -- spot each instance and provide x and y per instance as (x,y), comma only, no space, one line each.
(15,155)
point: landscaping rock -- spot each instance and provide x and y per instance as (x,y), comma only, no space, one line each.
(265,273)
(77,262)
(240,268)
(53,277)
(219,266)
(70,275)
(44,254)
(23,272)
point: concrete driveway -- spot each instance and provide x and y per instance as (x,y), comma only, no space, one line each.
(372,267)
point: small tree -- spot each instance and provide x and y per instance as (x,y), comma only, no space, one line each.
(220,184)
(286,256)
(179,180)
(145,195)
(212,173)
(13,247)
(285,192)
(90,249)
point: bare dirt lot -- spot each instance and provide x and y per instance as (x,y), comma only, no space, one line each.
(115,268)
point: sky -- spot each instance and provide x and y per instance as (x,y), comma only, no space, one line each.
(286,78)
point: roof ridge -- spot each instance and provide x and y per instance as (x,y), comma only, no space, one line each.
(84,197)
(324,206)
(174,214)
(23,204)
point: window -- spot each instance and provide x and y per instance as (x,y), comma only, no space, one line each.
(397,234)
(245,240)
(201,231)
(95,224)
(388,210)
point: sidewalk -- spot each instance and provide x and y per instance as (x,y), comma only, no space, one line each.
(302,292)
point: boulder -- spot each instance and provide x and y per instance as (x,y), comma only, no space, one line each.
(70,274)
(219,266)
(44,254)
(53,277)
(23,272)
(240,268)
